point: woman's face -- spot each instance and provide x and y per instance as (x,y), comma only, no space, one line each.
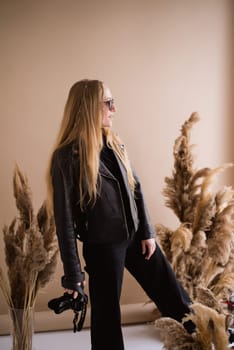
(108,107)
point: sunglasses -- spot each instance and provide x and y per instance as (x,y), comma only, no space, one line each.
(110,103)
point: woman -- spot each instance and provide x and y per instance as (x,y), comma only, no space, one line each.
(97,198)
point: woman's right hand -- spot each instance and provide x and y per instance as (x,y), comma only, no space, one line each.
(74,292)
(70,291)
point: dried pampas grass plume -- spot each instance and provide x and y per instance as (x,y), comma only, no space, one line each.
(210,334)
(207,298)
(205,208)
(176,191)
(180,243)
(174,335)
(210,327)
(30,248)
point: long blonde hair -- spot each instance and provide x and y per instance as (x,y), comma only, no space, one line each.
(82,125)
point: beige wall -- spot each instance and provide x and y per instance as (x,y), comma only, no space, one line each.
(162,59)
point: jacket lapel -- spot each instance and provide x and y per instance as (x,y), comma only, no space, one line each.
(123,172)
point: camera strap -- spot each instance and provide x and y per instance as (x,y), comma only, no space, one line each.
(78,324)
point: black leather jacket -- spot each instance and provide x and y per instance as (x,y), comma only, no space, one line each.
(103,223)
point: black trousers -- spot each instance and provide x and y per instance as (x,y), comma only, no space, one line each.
(105,266)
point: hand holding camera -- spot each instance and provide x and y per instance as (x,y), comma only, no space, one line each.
(67,302)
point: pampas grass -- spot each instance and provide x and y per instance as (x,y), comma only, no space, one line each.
(210,331)
(31,255)
(174,336)
(201,249)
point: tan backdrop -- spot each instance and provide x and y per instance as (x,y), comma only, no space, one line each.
(163,59)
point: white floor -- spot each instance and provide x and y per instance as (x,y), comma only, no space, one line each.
(137,337)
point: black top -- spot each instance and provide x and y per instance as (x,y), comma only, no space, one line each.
(109,159)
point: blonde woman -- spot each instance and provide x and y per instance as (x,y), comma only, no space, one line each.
(97,198)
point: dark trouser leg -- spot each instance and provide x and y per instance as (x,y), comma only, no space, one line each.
(105,266)
(159,282)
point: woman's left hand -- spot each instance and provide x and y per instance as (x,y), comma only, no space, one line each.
(148,247)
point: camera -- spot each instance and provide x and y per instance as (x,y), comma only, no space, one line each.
(67,302)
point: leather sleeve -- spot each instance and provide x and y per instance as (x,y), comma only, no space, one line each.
(62,180)
(146,229)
